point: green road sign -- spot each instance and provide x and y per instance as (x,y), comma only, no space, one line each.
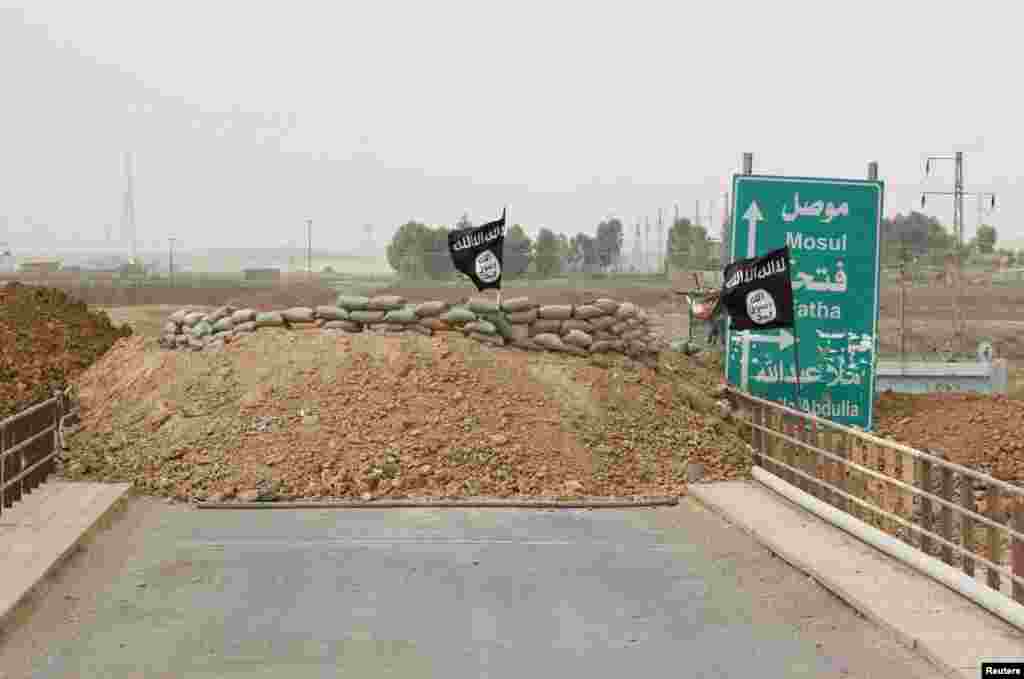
(832,229)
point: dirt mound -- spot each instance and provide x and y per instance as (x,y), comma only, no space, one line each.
(975,430)
(302,414)
(46,339)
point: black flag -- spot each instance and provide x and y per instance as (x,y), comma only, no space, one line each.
(758,292)
(478,252)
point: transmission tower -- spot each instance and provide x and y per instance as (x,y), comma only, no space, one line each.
(128,207)
(638,251)
(958,193)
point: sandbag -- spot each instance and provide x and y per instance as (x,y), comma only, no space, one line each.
(626,310)
(558,312)
(496,340)
(352,302)
(170,328)
(609,306)
(525,345)
(196,344)
(331,313)
(222,312)
(602,335)
(178,317)
(248,326)
(224,325)
(576,324)
(243,316)
(403,316)
(619,328)
(192,318)
(549,341)
(578,338)
(269,319)
(481,305)
(395,327)
(385,303)
(545,326)
(334,325)
(423,330)
(426,309)
(500,324)
(642,315)
(634,334)
(575,350)
(483,327)
(603,346)
(518,333)
(587,311)
(201,329)
(181,340)
(224,336)
(522,317)
(517,305)
(350,326)
(434,324)
(636,347)
(298,314)
(367,316)
(603,322)
(635,322)
(458,315)
(168,340)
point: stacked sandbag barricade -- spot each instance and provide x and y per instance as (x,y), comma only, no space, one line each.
(601,326)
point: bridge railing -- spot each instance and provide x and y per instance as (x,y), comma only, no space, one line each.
(967,519)
(30,441)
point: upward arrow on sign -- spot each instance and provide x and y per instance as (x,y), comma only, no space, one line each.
(753,216)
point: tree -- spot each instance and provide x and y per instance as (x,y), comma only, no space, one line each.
(518,251)
(986,239)
(408,240)
(609,241)
(548,253)
(679,245)
(582,254)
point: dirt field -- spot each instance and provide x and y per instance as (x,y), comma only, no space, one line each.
(294,414)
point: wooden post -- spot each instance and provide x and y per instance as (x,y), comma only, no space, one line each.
(907,466)
(1017,549)
(843,450)
(927,518)
(947,514)
(995,550)
(967,523)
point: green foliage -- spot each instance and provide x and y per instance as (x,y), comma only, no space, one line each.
(687,245)
(609,241)
(583,254)
(547,253)
(518,252)
(986,239)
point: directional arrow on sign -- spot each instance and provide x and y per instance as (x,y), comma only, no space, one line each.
(753,216)
(784,339)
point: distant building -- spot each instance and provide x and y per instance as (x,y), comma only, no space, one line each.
(40,265)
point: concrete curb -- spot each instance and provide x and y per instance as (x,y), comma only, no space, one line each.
(792,557)
(9,615)
(450,504)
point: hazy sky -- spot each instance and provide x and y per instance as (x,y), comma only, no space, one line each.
(247,118)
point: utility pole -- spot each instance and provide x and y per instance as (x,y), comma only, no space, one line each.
(309,248)
(170,260)
(958,232)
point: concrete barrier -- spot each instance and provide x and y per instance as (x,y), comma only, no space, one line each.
(923,377)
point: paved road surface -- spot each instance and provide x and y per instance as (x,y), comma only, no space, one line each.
(172,592)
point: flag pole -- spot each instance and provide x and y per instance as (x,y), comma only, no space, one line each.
(504,230)
(796,361)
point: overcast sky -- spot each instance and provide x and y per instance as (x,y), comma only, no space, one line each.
(247,118)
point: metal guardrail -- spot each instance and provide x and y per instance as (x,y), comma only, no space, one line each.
(30,441)
(929,503)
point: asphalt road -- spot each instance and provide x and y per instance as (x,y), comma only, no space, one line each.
(173,592)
